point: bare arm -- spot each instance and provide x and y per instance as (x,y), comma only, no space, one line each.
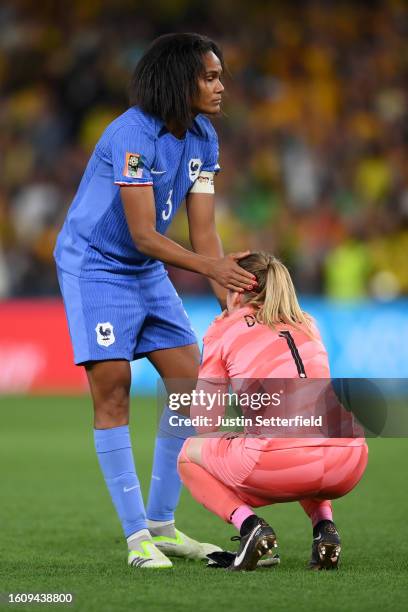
(209,407)
(140,211)
(203,234)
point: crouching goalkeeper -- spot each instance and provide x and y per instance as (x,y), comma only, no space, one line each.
(265,335)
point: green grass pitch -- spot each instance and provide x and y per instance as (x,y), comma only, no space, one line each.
(59,532)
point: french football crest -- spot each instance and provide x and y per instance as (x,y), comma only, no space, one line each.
(104,334)
(194,167)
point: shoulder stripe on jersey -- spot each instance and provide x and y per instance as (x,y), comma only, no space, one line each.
(295,353)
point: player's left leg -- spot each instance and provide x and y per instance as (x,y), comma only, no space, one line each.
(173,365)
(169,342)
(207,489)
(178,368)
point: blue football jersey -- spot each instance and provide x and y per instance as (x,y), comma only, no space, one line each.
(135,149)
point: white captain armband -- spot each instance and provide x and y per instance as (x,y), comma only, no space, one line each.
(204,183)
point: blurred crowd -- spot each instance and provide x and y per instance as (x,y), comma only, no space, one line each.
(313,136)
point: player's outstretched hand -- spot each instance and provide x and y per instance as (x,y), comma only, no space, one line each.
(230,275)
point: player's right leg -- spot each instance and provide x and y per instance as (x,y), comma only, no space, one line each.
(312,475)
(326,544)
(342,469)
(110,385)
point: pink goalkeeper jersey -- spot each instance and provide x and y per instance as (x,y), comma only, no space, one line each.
(238,348)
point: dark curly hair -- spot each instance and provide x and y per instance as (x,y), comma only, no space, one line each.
(165,80)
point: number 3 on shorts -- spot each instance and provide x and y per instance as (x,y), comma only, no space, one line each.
(167,212)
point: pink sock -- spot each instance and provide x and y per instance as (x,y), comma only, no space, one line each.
(324,513)
(317,509)
(239,515)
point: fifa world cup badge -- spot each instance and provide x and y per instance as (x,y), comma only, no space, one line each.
(133,165)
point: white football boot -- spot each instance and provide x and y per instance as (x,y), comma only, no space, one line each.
(147,556)
(183,546)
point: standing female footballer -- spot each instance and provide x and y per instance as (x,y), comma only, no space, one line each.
(119,302)
(267,336)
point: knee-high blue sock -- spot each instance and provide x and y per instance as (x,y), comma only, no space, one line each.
(115,456)
(165,485)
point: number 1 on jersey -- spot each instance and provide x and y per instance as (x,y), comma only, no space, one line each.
(295,353)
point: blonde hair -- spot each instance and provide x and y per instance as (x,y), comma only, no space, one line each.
(274,299)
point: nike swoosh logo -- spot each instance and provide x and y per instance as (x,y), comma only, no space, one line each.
(158,171)
(318,538)
(126,490)
(239,557)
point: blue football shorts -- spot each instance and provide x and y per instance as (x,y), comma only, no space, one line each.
(123,318)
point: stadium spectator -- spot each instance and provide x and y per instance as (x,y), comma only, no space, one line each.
(314,133)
